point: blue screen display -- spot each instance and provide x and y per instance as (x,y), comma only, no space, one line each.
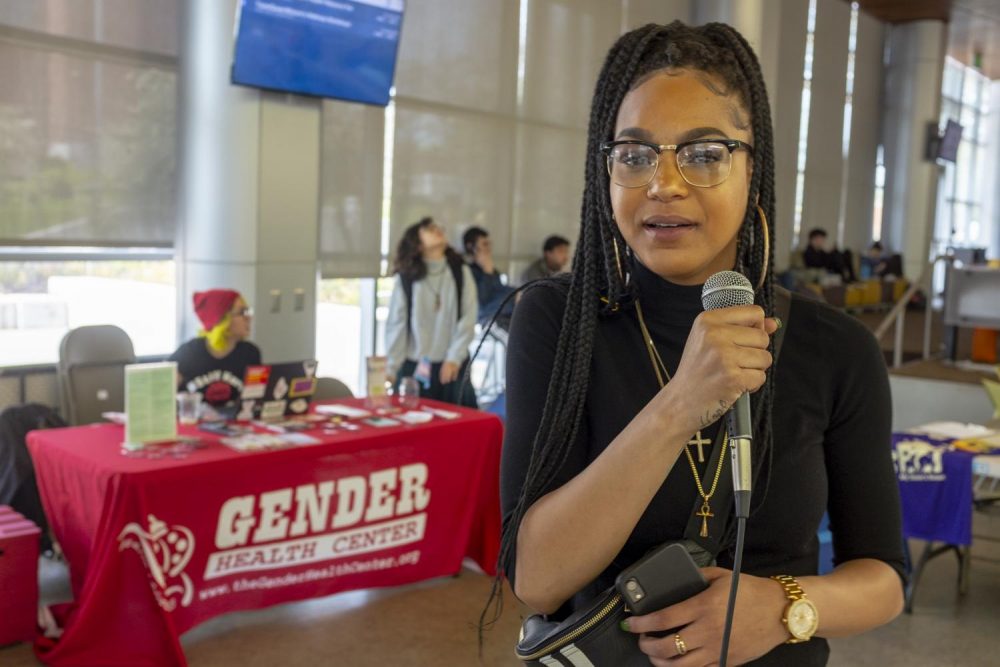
(345,49)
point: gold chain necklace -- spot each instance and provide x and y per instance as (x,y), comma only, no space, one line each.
(661,372)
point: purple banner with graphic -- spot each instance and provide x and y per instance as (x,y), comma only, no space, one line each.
(935,486)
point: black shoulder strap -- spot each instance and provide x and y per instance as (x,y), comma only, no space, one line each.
(459,275)
(407,284)
(782,310)
(722,500)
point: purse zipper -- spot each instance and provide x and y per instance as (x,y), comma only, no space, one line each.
(598,617)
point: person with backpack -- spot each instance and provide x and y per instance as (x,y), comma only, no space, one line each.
(432,315)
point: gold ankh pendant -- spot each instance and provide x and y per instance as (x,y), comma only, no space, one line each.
(704,513)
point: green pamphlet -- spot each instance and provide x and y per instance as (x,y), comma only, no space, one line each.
(150,403)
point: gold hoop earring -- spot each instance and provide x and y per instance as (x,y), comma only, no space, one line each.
(621,276)
(618,261)
(767,246)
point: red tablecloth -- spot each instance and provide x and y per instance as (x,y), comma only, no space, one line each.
(156,546)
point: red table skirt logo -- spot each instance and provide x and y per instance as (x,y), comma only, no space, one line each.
(165,551)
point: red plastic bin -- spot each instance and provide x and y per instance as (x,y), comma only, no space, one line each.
(18,577)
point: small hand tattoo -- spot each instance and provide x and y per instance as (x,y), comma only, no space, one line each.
(710,417)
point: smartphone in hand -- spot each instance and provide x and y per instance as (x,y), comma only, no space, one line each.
(665,576)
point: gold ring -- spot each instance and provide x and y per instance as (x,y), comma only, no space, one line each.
(680,645)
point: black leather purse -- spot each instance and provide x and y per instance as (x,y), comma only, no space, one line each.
(590,636)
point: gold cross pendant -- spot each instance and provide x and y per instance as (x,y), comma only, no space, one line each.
(699,442)
(704,513)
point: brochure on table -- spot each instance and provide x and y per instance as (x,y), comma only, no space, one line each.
(150,403)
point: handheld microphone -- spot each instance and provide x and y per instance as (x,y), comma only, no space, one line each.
(723,290)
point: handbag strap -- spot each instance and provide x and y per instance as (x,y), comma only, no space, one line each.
(782,310)
(722,500)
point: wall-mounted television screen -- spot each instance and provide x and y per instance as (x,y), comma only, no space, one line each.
(952,137)
(344,49)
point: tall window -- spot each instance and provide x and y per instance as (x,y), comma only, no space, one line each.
(800,178)
(878,207)
(845,141)
(963,188)
(87,123)
(41,298)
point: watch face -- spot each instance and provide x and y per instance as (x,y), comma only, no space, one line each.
(803,619)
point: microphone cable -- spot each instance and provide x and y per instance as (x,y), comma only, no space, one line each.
(741,528)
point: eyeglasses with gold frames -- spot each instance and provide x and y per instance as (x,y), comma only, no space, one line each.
(702,163)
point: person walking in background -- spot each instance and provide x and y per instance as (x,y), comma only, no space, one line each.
(555,255)
(214,362)
(432,315)
(489,283)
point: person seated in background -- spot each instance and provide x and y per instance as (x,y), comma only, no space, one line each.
(432,316)
(213,364)
(816,256)
(489,285)
(877,264)
(555,255)
(873,262)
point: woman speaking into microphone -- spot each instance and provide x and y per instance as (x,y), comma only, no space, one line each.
(619,380)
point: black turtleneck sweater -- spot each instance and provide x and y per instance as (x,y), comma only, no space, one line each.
(832,422)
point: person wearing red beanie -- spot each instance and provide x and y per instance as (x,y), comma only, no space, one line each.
(212,305)
(214,362)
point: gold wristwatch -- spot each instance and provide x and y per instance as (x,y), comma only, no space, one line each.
(801,618)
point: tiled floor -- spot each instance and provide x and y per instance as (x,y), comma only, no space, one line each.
(433,624)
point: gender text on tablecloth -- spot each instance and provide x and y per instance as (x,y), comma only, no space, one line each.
(313,523)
